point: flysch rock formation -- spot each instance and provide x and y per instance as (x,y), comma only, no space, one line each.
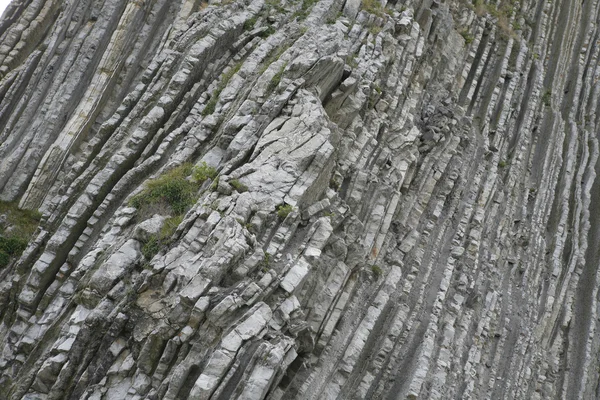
(401,201)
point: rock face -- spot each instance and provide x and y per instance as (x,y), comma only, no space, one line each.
(402,205)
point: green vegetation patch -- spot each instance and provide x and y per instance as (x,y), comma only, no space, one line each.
(171,190)
(467,36)
(16,229)
(214,98)
(161,239)
(284,210)
(304,10)
(377,271)
(203,172)
(172,193)
(4,259)
(249,24)
(547,97)
(238,186)
(274,5)
(374,7)
(12,245)
(276,79)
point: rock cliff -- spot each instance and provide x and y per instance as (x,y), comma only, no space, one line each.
(310,199)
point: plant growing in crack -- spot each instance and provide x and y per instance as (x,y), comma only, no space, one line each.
(238,186)
(376,270)
(161,239)
(276,79)
(547,97)
(209,109)
(284,210)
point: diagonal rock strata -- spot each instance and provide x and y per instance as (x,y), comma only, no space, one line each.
(396,199)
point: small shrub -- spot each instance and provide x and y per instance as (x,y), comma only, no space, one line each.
(502,164)
(249,24)
(377,271)
(203,172)
(547,98)
(467,36)
(334,184)
(284,210)
(239,186)
(267,259)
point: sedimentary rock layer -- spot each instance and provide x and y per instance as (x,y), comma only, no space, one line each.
(399,203)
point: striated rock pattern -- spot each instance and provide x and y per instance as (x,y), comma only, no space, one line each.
(403,202)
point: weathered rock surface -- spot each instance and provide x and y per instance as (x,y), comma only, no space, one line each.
(438,161)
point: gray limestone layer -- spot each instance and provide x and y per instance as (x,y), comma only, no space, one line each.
(403,206)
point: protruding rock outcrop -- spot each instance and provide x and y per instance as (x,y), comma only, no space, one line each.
(311,199)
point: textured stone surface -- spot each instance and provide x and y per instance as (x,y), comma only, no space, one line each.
(437,161)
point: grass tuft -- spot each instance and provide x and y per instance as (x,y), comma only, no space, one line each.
(171,189)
